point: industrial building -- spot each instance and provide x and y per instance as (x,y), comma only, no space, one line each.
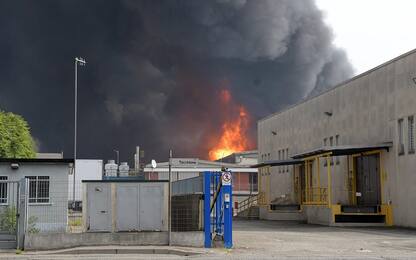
(244,177)
(346,156)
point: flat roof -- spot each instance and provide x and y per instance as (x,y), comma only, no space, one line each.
(344,150)
(123,180)
(36,160)
(278,163)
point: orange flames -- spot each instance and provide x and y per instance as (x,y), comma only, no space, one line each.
(233,137)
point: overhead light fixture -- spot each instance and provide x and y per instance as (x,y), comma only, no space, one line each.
(274,133)
(14,166)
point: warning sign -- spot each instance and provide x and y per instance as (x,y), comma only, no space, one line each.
(226,178)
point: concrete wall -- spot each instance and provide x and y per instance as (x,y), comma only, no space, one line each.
(365,110)
(68,240)
(51,216)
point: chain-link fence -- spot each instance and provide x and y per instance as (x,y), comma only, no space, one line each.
(51,207)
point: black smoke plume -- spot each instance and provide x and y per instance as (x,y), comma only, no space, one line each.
(155,68)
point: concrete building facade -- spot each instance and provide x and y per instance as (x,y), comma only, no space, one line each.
(47,209)
(346,155)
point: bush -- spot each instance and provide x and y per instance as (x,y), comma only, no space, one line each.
(8,219)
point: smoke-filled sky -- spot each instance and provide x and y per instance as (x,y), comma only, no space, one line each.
(156,69)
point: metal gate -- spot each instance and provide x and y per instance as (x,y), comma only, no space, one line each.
(368,180)
(12,213)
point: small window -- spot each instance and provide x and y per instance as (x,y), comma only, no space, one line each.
(38,189)
(331,143)
(325,139)
(411,133)
(336,144)
(400,129)
(3,190)
(287,158)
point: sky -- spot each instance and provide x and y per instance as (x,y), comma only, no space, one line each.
(157,70)
(371,31)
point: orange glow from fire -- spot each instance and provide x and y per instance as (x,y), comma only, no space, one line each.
(233,136)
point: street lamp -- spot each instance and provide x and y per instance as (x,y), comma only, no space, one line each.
(78,61)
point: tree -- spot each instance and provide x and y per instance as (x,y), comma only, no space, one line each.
(15,138)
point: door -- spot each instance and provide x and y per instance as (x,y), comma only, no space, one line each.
(150,206)
(9,208)
(127,207)
(99,203)
(368,180)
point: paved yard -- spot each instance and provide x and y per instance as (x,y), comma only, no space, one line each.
(286,240)
(289,239)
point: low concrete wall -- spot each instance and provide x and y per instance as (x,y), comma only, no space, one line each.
(69,240)
(318,215)
(286,215)
(189,238)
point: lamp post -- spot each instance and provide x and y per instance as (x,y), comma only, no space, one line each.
(78,61)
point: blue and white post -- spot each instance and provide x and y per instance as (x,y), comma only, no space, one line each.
(228,208)
(207,209)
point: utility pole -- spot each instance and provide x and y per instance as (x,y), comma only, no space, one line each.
(81,62)
(169,198)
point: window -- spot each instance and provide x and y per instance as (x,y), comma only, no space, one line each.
(325,139)
(411,133)
(38,189)
(287,158)
(336,144)
(401,141)
(331,143)
(3,190)
(280,158)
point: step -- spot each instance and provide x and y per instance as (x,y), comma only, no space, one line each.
(8,244)
(292,207)
(359,218)
(360,209)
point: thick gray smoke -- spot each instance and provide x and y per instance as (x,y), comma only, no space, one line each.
(155,68)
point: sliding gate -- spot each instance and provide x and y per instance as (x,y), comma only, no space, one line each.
(218,208)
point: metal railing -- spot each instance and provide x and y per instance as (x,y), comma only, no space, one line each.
(315,196)
(247,203)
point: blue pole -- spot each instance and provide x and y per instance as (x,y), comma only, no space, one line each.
(228,216)
(207,209)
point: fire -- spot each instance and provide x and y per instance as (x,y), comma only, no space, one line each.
(233,136)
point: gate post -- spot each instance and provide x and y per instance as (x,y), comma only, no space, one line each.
(228,216)
(207,209)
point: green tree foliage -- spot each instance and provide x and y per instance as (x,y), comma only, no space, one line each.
(15,138)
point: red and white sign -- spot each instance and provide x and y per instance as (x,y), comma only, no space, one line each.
(226,178)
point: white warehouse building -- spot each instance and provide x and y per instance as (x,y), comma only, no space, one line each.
(346,156)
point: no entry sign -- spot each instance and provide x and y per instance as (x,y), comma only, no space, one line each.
(226,178)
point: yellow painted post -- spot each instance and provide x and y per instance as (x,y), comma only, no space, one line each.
(268,187)
(318,170)
(381,177)
(328,162)
(306,181)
